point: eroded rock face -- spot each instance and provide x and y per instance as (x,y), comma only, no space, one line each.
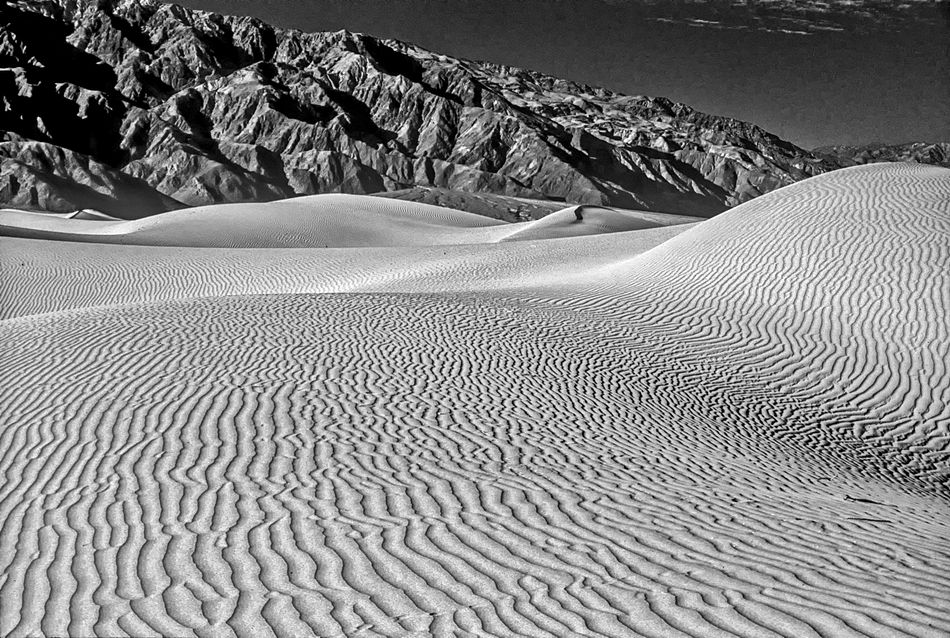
(42,176)
(202,108)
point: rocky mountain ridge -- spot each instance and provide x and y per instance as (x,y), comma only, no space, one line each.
(936,153)
(135,107)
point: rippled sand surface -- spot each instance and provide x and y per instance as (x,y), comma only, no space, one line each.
(733,428)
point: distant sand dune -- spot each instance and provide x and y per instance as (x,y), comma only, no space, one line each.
(735,428)
(327,221)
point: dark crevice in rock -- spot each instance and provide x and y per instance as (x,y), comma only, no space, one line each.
(357,119)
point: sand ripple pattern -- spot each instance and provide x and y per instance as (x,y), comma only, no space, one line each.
(742,432)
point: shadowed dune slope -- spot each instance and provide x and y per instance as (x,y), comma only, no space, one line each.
(739,430)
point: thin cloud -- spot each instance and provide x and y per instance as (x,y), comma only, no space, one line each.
(797,17)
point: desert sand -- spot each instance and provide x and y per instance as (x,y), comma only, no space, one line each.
(329,416)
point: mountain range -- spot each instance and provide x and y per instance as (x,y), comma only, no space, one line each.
(138,107)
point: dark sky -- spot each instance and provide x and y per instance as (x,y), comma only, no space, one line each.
(878,78)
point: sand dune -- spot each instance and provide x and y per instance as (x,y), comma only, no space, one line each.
(578,221)
(328,221)
(65,226)
(733,428)
(91,214)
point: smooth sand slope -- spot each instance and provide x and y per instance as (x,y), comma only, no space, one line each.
(741,429)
